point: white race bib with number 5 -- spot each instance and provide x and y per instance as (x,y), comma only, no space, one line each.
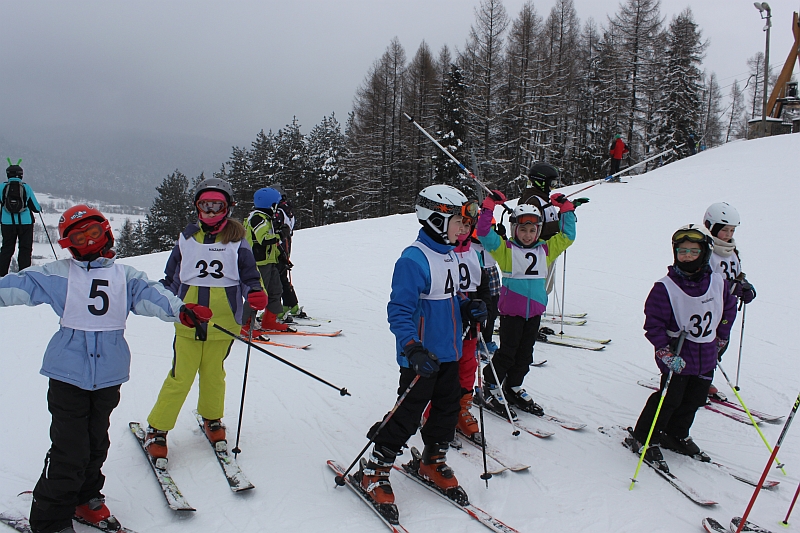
(209,265)
(97,299)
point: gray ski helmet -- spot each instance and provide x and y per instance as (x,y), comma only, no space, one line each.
(543,176)
(215,184)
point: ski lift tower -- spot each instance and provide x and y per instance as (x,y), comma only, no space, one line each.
(782,110)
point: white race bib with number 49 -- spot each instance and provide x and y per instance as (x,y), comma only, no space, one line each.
(444,273)
(209,265)
(97,299)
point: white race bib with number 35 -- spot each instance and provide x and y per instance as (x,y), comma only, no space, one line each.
(97,299)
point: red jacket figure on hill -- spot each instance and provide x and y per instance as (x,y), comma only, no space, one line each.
(618,149)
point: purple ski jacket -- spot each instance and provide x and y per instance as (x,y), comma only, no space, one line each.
(658,319)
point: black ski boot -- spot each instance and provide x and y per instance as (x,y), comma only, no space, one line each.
(684,446)
(543,333)
(653,454)
(373,480)
(493,400)
(520,399)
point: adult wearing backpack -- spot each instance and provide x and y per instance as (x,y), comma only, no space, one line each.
(19,204)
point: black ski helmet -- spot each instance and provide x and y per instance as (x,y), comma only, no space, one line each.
(543,176)
(13,170)
(697,234)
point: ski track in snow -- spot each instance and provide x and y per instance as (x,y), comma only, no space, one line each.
(578,480)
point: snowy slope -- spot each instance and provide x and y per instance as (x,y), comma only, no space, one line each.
(578,480)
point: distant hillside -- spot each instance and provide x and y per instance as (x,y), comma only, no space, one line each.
(121,168)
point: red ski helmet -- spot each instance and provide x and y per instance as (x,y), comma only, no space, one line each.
(85,232)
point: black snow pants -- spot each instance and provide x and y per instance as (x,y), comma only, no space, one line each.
(513,358)
(12,233)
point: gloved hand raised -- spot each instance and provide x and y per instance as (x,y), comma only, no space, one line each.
(474,311)
(744,290)
(577,202)
(562,203)
(192,315)
(494,198)
(257,300)
(670,360)
(422,361)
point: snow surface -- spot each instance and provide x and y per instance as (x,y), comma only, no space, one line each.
(578,480)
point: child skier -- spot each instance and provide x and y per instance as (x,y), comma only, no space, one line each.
(721,220)
(284,226)
(425,315)
(264,239)
(211,264)
(86,361)
(523,260)
(689,298)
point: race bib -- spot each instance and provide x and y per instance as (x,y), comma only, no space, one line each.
(209,265)
(97,299)
(444,273)
(698,315)
(469,270)
(729,267)
(528,263)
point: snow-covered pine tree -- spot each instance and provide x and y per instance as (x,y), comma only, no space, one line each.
(291,166)
(172,209)
(451,129)
(421,90)
(123,243)
(327,174)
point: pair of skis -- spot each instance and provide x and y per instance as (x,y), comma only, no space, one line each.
(175,499)
(409,471)
(712,526)
(726,408)
(20,523)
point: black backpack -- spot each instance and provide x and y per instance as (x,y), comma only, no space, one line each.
(14,197)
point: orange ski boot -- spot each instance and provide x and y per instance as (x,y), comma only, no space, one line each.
(215,430)
(373,479)
(156,443)
(467,424)
(432,467)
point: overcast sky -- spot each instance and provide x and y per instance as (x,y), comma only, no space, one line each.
(225,70)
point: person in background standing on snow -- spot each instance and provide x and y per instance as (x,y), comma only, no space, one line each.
(618,150)
(524,260)
(425,315)
(693,299)
(721,220)
(86,361)
(18,205)
(263,237)
(211,265)
(284,224)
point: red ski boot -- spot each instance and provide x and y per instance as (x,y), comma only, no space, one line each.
(96,514)
(269,322)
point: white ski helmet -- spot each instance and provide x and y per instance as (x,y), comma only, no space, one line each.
(435,205)
(526,214)
(721,213)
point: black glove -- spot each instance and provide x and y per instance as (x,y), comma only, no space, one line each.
(474,311)
(422,361)
(500,229)
(580,201)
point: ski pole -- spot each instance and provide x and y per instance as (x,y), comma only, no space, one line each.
(563,292)
(772,457)
(486,476)
(794,500)
(48,236)
(340,479)
(342,390)
(505,404)
(741,339)
(746,410)
(681,338)
(624,170)
(448,154)
(236,450)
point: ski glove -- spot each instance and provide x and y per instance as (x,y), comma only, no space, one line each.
(192,315)
(562,203)
(722,345)
(500,229)
(670,360)
(577,202)
(257,300)
(494,198)
(474,311)
(744,290)
(422,361)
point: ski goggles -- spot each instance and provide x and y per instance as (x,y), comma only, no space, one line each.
(212,207)
(79,238)
(468,211)
(691,235)
(528,218)
(691,252)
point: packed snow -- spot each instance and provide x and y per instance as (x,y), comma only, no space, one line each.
(578,480)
